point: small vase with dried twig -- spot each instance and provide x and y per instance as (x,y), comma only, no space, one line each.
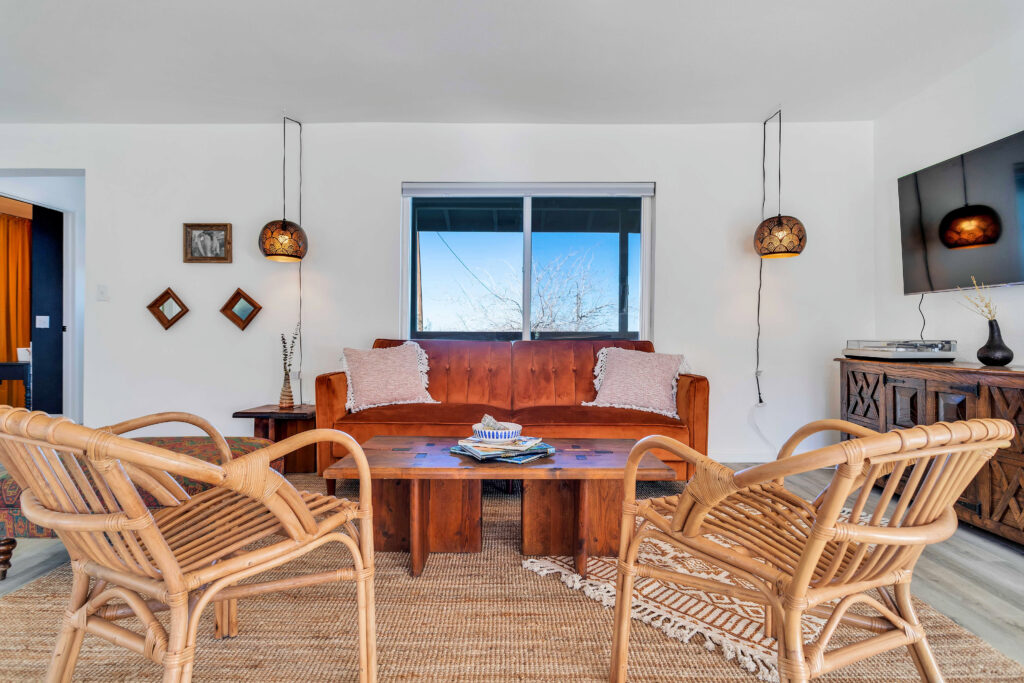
(287,353)
(994,352)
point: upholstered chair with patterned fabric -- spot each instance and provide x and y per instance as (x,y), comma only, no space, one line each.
(130,561)
(852,546)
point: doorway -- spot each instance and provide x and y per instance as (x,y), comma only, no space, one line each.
(32,299)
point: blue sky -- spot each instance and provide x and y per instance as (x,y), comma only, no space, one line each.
(495,259)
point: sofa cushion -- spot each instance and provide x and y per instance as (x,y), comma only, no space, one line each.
(419,413)
(559,372)
(466,372)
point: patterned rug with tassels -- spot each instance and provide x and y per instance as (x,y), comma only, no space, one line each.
(731,626)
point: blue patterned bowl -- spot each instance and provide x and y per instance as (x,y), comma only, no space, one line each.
(497,435)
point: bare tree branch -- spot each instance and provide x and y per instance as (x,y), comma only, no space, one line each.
(567,296)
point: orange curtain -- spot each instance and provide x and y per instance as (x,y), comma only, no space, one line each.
(15,331)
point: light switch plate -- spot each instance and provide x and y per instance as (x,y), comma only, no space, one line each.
(42,322)
(102,293)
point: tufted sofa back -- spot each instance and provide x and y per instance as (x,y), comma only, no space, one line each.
(514,375)
(476,372)
(558,372)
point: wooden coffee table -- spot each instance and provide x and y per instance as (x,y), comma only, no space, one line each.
(426,499)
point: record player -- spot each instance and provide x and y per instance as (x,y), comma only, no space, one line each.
(922,350)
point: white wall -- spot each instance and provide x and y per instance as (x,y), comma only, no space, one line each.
(977,104)
(145,181)
(63,190)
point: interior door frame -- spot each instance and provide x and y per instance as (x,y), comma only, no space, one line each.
(74,305)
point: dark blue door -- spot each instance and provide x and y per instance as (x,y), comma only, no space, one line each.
(47,310)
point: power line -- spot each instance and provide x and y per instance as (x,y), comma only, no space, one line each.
(468,270)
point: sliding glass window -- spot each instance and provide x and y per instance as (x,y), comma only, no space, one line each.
(585,267)
(467,269)
(576,262)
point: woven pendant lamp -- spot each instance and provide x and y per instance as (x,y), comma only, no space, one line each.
(285,240)
(779,237)
(775,237)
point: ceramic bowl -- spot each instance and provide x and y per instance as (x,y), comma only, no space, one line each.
(497,435)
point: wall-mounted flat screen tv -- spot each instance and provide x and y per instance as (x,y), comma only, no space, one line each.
(963,217)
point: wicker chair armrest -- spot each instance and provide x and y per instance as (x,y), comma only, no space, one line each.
(939,530)
(787,464)
(78,521)
(252,476)
(819,426)
(775,471)
(186,418)
(648,443)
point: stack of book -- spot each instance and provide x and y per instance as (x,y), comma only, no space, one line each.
(521,450)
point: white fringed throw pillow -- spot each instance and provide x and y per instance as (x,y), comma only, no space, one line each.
(384,377)
(638,380)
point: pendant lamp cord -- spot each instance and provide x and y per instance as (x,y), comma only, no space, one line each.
(284,166)
(920,310)
(760,264)
(924,251)
(779,112)
(963,176)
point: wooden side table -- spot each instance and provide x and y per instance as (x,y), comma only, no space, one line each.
(271,422)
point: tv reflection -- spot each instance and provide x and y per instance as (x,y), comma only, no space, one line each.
(964,217)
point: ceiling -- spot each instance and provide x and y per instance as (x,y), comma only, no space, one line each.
(556,61)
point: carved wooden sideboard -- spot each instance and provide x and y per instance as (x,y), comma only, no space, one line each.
(894,395)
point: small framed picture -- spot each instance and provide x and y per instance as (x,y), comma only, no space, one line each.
(206,243)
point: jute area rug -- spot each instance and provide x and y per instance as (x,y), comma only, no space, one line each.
(473,617)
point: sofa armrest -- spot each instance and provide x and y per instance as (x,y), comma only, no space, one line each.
(692,393)
(331,397)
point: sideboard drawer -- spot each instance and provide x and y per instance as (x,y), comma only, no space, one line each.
(951,401)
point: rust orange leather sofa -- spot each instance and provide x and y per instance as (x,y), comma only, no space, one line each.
(539,384)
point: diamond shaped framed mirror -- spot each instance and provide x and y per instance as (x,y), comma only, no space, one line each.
(240,309)
(168,308)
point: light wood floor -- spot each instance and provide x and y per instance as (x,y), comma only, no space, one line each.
(974,577)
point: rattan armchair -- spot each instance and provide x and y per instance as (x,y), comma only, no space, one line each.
(821,556)
(130,561)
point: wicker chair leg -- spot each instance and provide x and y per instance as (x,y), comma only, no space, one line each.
(792,664)
(920,652)
(69,642)
(179,654)
(371,631)
(623,617)
(364,672)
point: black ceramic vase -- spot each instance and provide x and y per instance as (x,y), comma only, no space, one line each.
(995,352)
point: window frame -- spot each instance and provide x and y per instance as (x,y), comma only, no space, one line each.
(527,192)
